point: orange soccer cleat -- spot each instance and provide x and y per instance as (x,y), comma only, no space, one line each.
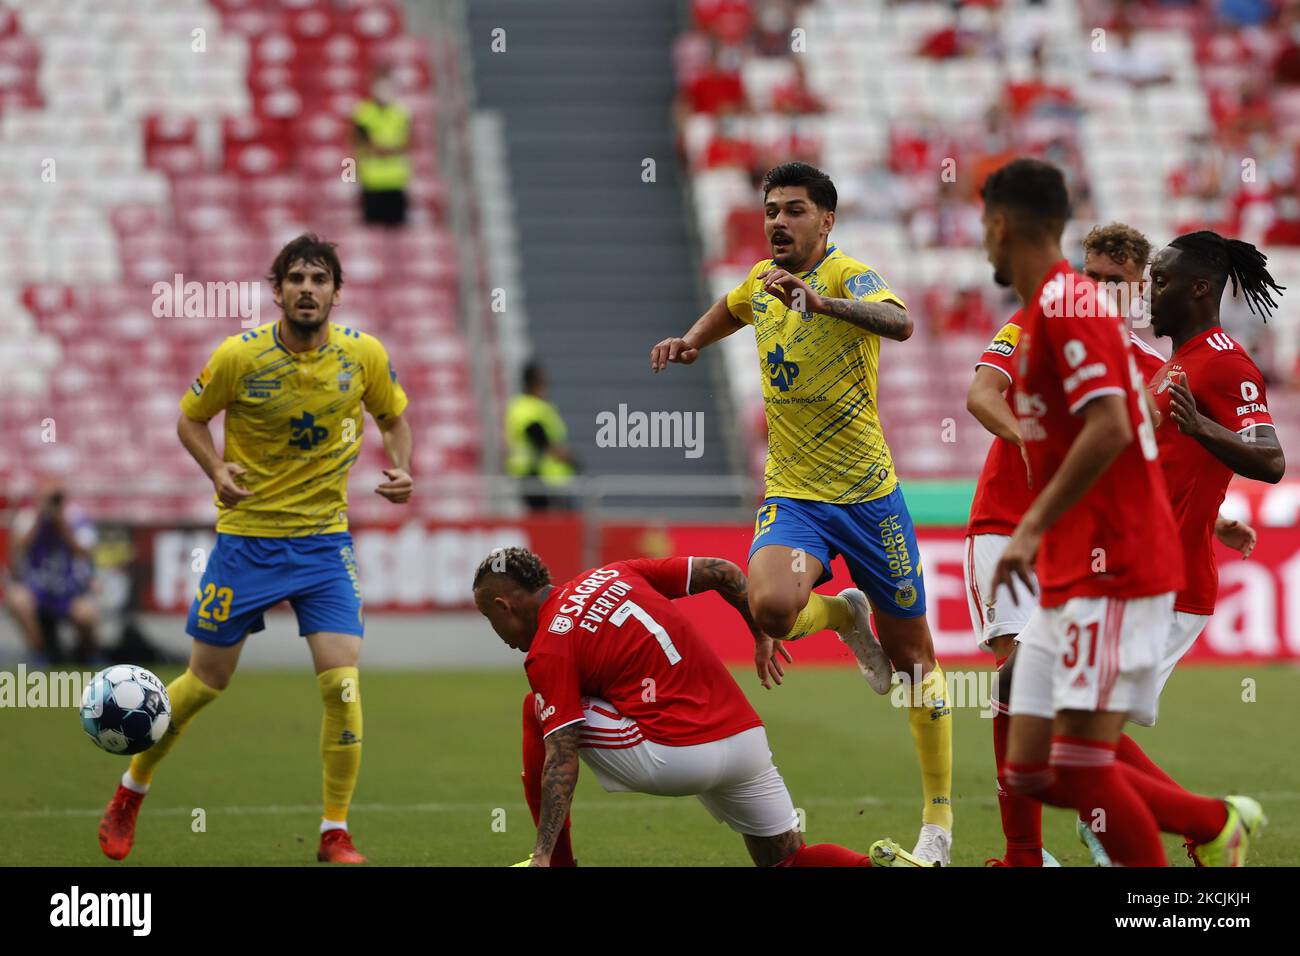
(117,828)
(336,847)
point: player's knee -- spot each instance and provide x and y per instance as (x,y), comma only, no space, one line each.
(20,599)
(774,612)
(216,677)
(910,661)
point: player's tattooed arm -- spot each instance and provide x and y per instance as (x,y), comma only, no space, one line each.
(719,574)
(889,320)
(559,779)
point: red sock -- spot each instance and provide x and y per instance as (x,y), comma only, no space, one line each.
(1022,816)
(1128,752)
(825,854)
(1198,818)
(1100,790)
(534,761)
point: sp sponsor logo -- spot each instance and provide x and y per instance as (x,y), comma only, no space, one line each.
(561,625)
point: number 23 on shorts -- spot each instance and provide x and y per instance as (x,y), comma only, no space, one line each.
(219,611)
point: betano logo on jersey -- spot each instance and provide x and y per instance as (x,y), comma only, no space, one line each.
(304,433)
(781,372)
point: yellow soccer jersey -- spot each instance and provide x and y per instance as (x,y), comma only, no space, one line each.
(294,420)
(824,437)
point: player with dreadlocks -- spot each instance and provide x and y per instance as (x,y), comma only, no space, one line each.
(1214,418)
(620,677)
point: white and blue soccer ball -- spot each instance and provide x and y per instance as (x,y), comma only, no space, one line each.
(124,709)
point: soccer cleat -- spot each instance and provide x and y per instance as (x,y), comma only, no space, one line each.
(1089,839)
(1245,820)
(117,827)
(336,847)
(527,862)
(872,660)
(888,853)
(934,845)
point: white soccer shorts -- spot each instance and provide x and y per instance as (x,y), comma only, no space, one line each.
(1184,629)
(1011,608)
(1094,653)
(733,777)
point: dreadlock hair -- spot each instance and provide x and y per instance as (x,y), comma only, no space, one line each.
(518,564)
(1221,259)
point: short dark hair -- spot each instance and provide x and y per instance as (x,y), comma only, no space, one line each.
(1211,256)
(1032,189)
(311,249)
(1120,242)
(518,564)
(820,188)
(532,374)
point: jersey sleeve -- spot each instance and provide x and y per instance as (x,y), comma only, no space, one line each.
(214,389)
(671,577)
(1231,391)
(1000,351)
(867,285)
(1091,356)
(553,676)
(383,397)
(738,299)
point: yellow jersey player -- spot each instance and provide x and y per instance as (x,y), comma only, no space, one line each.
(818,318)
(293,392)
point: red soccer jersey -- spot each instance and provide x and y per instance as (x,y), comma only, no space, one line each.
(1149,361)
(1119,540)
(1002,493)
(614,632)
(1229,389)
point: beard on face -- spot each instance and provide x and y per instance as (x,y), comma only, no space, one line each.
(306,325)
(1001,278)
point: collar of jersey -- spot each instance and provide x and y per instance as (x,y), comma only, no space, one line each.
(298,356)
(829,249)
(1196,340)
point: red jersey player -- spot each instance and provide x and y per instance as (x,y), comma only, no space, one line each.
(621,678)
(1103,534)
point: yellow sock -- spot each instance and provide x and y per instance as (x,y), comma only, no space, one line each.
(930,718)
(188,695)
(821,612)
(340,738)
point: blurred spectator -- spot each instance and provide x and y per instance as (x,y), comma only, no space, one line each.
(1126,58)
(1035,96)
(1286,64)
(52,566)
(717,88)
(535,443)
(382,134)
(792,95)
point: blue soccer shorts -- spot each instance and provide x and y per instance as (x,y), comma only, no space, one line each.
(875,537)
(245,576)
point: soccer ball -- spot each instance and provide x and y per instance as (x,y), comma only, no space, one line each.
(125,709)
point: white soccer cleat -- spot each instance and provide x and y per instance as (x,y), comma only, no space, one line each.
(1089,839)
(872,660)
(934,845)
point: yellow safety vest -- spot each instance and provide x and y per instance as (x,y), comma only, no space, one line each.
(523,459)
(388,128)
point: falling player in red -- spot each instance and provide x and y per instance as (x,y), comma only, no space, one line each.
(620,677)
(1104,538)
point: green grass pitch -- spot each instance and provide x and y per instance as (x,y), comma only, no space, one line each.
(440,775)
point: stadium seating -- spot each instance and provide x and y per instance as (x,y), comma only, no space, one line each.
(1130,122)
(142,140)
